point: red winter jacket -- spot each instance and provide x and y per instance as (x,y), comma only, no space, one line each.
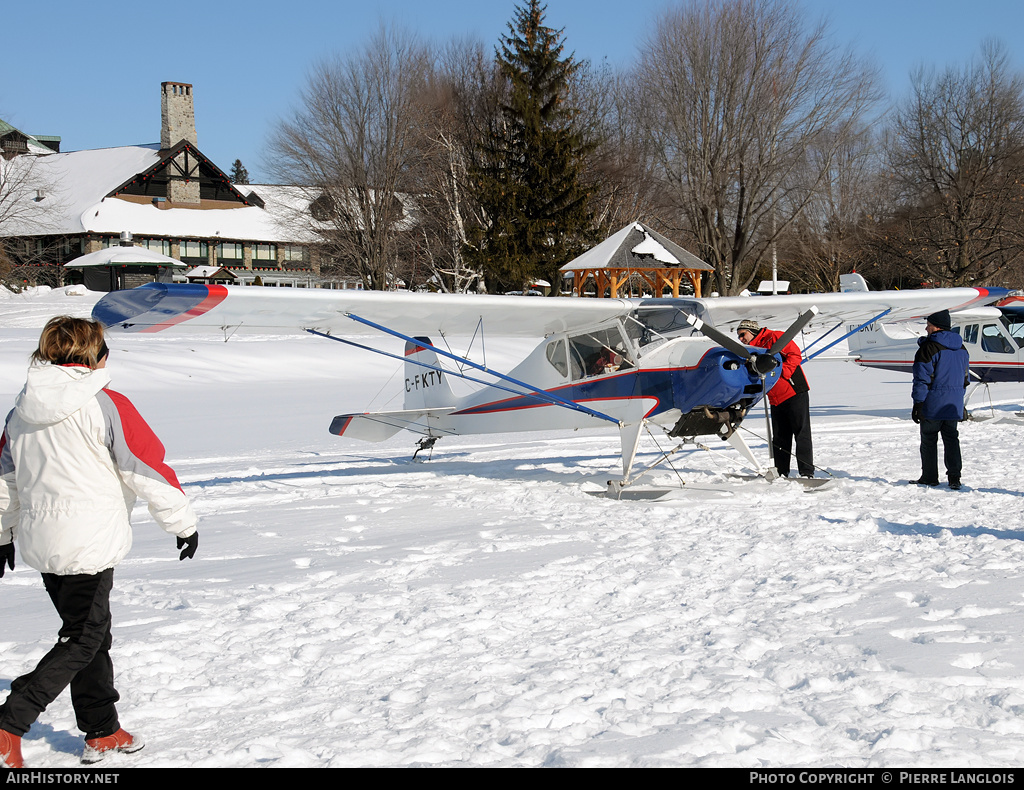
(785,388)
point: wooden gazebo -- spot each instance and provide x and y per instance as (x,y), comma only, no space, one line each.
(636,253)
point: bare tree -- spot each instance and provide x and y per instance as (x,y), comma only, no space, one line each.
(28,202)
(620,173)
(350,143)
(735,91)
(826,239)
(957,158)
(449,105)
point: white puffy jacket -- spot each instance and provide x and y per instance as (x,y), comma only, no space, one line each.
(73,457)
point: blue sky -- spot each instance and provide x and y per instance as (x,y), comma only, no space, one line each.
(91,72)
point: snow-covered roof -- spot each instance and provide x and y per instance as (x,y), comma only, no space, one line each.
(636,246)
(75,186)
(124,256)
(203,272)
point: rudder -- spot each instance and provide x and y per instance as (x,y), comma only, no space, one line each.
(425,387)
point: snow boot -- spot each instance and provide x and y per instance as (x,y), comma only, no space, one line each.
(10,750)
(96,748)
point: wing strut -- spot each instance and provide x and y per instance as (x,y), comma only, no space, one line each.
(427,365)
(540,394)
(870,321)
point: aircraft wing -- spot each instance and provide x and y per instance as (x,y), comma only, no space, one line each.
(778,312)
(156,307)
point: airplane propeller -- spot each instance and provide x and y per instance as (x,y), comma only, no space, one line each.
(759,363)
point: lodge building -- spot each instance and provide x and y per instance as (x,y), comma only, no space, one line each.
(169,197)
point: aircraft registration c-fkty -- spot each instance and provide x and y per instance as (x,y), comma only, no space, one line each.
(629,364)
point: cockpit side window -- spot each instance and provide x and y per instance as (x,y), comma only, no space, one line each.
(600,352)
(993,341)
(557,358)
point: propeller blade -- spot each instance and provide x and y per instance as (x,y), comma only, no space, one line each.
(794,329)
(724,340)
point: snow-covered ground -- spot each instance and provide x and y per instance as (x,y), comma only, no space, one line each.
(348,607)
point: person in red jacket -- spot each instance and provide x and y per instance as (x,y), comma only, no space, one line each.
(791,405)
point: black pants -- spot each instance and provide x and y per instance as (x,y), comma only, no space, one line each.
(81,659)
(930,430)
(791,420)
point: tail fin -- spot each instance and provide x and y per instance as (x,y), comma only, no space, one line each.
(852,283)
(425,387)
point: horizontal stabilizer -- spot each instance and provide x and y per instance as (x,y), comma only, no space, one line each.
(381,425)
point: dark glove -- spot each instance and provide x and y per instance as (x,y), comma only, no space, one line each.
(6,557)
(190,544)
(915,413)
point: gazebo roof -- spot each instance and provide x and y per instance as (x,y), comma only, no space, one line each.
(636,246)
(124,256)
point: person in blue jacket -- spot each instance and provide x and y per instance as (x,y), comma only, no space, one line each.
(940,380)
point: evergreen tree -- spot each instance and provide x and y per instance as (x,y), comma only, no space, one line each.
(239,175)
(527,169)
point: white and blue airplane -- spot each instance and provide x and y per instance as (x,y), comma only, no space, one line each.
(993,337)
(628,364)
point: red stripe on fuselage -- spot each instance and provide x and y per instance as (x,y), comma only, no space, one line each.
(215,295)
(497,406)
(485,410)
(973,364)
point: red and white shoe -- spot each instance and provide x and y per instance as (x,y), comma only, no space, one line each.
(97,748)
(10,750)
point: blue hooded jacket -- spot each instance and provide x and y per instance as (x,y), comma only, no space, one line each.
(940,375)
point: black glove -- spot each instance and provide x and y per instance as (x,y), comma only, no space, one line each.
(190,544)
(6,557)
(915,413)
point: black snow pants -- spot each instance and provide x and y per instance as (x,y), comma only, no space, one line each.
(950,432)
(791,420)
(81,659)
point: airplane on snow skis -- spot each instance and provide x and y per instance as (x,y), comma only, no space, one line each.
(993,336)
(631,364)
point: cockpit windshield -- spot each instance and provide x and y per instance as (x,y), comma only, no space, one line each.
(1013,320)
(658,319)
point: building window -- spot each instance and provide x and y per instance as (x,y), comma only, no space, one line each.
(163,246)
(228,251)
(195,249)
(264,252)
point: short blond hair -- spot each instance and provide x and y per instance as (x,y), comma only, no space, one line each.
(70,341)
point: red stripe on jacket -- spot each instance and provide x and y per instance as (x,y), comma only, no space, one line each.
(141,440)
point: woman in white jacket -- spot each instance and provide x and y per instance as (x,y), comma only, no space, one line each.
(73,457)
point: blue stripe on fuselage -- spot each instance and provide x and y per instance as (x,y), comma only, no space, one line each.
(707,383)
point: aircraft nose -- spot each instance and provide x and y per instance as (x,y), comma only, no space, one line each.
(762,364)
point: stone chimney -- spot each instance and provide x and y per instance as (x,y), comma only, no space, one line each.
(177,123)
(177,116)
